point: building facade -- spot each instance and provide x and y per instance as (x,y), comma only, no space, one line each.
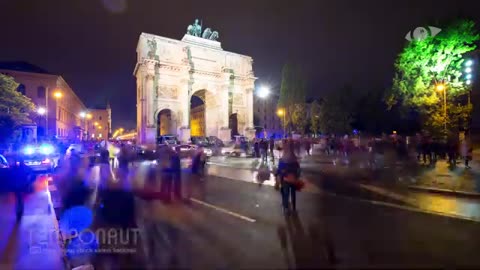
(169,72)
(100,123)
(267,121)
(59,106)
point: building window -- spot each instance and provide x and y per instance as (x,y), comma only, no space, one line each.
(22,89)
(41,92)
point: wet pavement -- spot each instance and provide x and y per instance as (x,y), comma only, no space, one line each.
(236,221)
(386,186)
(33,242)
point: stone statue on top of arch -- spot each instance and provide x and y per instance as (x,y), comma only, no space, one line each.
(195,29)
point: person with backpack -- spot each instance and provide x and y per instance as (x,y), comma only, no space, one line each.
(288,174)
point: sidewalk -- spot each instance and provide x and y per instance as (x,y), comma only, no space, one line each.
(33,243)
(445,179)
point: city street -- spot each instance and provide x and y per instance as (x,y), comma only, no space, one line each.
(233,221)
(235,224)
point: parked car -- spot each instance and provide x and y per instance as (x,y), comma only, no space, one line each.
(15,176)
(168,140)
(40,158)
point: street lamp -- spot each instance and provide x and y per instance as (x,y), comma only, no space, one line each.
(263,93)
(442,88)
(57,94)
(41,111)
(281,113)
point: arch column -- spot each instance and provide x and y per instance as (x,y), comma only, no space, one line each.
(150,125)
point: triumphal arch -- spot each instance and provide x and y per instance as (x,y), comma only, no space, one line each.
(192,87)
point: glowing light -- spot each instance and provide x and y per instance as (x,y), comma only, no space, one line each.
(29,150)
(469,76)
(440,87)
(263,92)
(469,63)
(468,70)
(280,112)
(46,161)
(469,82)
(83,114)
(96,123)
(47,149)
(57,94)
(89,116)
(41,111)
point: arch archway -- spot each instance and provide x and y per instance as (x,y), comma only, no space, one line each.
(197,114)
(233,124)
(165,123)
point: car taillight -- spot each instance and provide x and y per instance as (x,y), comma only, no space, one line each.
(46,161)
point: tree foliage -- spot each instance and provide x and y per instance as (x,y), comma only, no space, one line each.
(423,64)
(15,108)
(299,117)
(292,94)
(336,112)
(315,111)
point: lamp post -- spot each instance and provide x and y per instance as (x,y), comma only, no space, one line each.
(57,94)
(281,113)
(263,93)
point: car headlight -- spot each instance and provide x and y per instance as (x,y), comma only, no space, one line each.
(29,150)
(46,149)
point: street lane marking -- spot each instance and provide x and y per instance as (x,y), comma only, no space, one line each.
(223,210)
(406,208)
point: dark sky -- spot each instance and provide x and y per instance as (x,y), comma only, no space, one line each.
(91,43)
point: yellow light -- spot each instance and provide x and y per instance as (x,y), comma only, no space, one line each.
(440,87)
(99,127)
(89,116)
(394,132)
(96,123)
(280,112)
(57,94)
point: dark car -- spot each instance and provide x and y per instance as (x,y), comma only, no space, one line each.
(167,140)
(41,158)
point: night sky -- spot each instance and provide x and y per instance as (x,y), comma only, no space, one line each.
(91,43)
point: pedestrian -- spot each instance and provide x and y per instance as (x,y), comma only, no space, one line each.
(271,145)
(256,149)
(466,152)
(264,150)
(308,146)
(288,174)
(24,177)
(176,171)
(163,169)
(123,163)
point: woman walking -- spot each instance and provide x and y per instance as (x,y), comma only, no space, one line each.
(288,174)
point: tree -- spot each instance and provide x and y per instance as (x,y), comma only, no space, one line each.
(15,108)
(7,127)
(435,60)
(337,110)
(315,117)
(299,117)
(292,94)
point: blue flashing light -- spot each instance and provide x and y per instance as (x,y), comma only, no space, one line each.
(47,149)
(29,150)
